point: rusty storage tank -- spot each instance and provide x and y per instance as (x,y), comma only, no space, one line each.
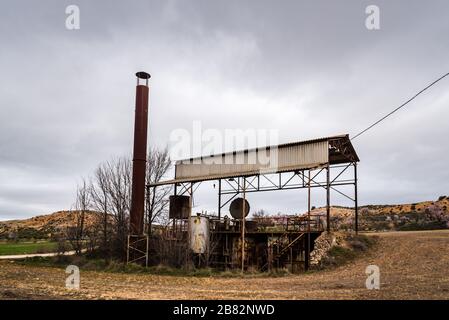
(199,234)
(179,207)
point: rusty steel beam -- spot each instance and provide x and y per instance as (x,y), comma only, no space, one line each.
(139,156)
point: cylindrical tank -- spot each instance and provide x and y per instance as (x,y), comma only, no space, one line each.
(199,234)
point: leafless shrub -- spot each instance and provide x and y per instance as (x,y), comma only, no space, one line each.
(158,164)
(61,246)
(435,212)
(169,250)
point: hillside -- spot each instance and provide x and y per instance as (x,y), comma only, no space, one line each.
(43,226)
(425,215)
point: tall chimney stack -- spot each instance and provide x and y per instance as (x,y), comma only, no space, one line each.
(139,156)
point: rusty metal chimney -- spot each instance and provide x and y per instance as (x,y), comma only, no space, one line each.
(139,156)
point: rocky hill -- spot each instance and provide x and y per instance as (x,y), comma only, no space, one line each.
(425,215)
(44,226)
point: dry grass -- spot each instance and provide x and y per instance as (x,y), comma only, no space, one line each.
(413,265)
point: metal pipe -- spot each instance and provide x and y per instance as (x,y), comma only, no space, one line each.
(139,156)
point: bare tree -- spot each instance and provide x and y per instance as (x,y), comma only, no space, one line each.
(111,199)
(158,164)
(82,205)
(261,213)
(110,195)
(100,200)
(119,172)
(262,218)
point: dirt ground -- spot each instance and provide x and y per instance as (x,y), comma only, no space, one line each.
(413,265)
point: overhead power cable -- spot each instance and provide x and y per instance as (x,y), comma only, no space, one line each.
(402,105)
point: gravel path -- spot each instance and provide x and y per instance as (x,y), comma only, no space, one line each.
(32,255)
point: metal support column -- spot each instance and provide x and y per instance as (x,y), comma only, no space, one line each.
(307,254)
(307,262)
(328,200)
(148,216)
(219,199)
(243,224)
(356,205)
(189,236)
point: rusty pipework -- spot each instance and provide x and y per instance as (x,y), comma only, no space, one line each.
(139,156)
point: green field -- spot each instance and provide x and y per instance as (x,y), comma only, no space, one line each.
(11,248)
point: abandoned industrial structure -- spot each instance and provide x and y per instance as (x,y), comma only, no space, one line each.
(239,241)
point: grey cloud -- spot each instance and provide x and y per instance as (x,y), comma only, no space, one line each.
(306,68)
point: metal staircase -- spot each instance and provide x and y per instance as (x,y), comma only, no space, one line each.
(280,244)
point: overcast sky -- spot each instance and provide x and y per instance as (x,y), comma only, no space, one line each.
(304,68)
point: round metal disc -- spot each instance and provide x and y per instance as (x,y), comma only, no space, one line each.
(236,208)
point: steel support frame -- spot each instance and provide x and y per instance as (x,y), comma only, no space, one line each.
(183,188)
(285,181)
(137,249)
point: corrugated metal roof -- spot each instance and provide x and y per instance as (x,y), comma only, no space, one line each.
(341,136)
(225,176)
(197,171)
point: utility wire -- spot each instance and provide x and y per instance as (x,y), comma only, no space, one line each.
(402,105)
